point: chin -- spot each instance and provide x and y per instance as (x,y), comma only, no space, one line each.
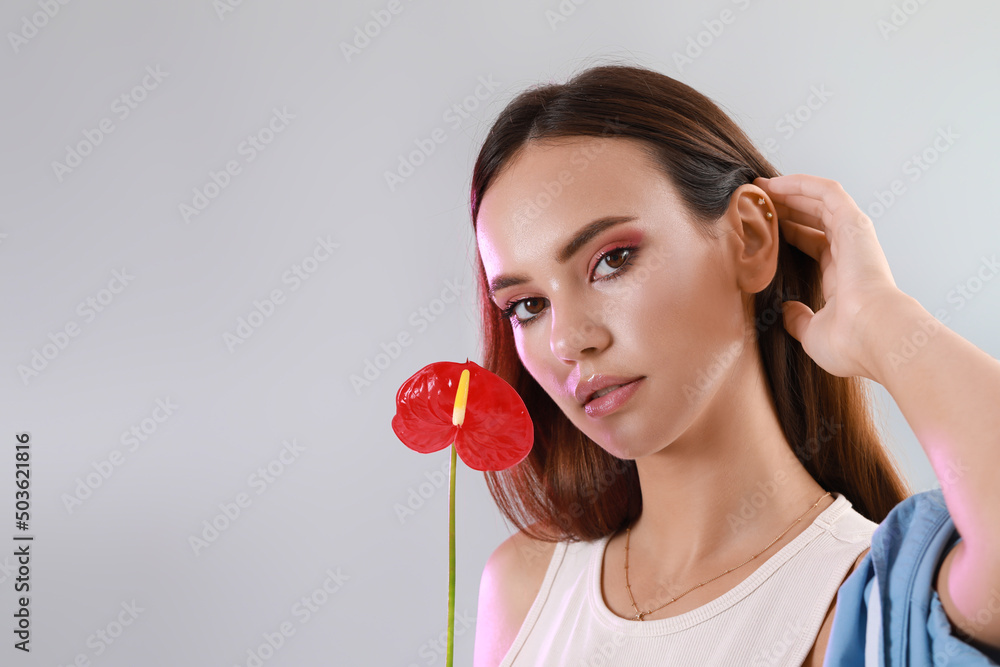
(626,453)
(609,438)
(628,440)
(614,446)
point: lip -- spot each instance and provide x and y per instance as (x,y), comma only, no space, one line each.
(585,389)
(611,401)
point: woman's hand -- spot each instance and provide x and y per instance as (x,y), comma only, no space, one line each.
(817,216)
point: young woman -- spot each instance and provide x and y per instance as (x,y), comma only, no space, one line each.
(693,336)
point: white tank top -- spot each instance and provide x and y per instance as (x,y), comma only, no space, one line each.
(770,618)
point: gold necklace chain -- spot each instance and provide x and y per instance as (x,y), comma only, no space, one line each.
(639,614)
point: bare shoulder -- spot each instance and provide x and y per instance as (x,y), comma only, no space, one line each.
(818,651)
(511,580)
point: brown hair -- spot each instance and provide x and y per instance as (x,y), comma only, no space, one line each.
(568,487)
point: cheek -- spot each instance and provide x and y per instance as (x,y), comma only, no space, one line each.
(530,354)
(657,316)
(705,341)
(682,322)
(537,358)
(525,353)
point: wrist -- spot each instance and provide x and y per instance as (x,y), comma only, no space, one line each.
(892,330)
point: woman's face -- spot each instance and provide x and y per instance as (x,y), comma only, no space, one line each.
(612,277)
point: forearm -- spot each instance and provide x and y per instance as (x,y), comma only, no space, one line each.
(949,392)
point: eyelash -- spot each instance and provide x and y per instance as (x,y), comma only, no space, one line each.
(631,253)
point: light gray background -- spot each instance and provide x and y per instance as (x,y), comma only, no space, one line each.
(162,337)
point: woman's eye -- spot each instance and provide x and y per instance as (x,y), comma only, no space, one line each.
(532,306)
(616,259)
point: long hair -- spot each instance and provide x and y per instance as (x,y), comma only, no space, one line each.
(568,487)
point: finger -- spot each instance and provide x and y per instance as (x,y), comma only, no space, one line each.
(828,191)
(810,241)
(802,213)
(848,226)
(797,316)
(804,210)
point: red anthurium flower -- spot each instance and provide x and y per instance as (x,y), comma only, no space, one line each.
(479,415)
(496,431)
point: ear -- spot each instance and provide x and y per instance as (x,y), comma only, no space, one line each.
(753,238)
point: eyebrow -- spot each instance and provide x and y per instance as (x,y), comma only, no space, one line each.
(582,238)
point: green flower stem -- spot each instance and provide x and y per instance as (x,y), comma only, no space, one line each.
(451,557)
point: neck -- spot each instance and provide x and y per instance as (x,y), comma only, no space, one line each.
(727,487)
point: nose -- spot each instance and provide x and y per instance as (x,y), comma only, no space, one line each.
(577,332)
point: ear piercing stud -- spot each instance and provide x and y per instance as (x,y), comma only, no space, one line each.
(768,215)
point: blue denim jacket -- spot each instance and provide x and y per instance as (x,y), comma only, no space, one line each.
(888,612)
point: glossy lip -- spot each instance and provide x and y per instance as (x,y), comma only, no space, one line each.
(605,405)
(585,389)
